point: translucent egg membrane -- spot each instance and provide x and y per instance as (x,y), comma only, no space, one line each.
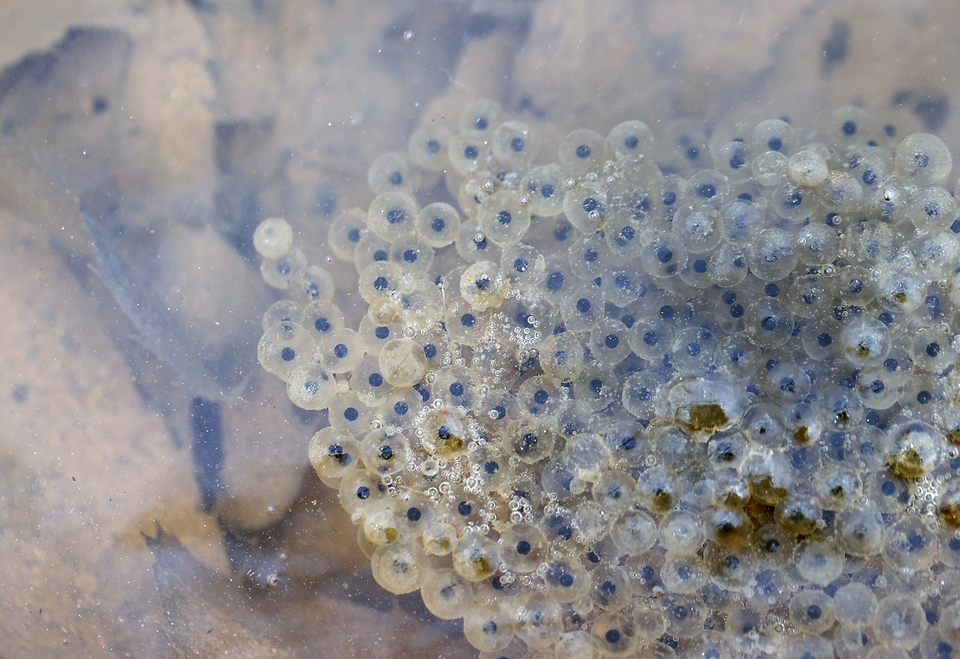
(608,401)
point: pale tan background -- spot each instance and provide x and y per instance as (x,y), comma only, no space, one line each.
(222,112)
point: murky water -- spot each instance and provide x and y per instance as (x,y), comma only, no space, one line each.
(140,144)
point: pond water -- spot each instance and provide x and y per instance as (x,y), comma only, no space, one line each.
(148,466)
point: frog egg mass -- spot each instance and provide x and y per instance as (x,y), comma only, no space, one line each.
(608,401)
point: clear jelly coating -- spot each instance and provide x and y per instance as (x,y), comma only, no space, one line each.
(692,395)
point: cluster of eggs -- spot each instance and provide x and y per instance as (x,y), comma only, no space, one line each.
(690,397)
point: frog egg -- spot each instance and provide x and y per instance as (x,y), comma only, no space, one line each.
(933,349)
(726,266)
(311,386)
(503,219)
(420,308)
(515,145)
(768,323)
(889,203)
(608,343)
(413,256)
(277,273)
(283,348)
(540,397)
(590,257)
(273,238)
(383,451)
(634,532)
(428,146)
(770,169)
(873,242)
(473,245)
(345,233)
(672,189)
(281,311)
(793,202)
(847,126)
(935,254)
(841,193)
(855,603)
(531,444)
(807,168)
(380,282)
(879,387)
(698,271)
(538,619)
(381,526)
(333,453)
(682,573)
(772,546)
(865,341)
(437,225)
(399,409)
(730,568)
(393,171)
(699,229)
(932,209)
(817,245)
(912,449)
(562,357)
(375,332)
(658,490)
(487,628)
(585,206)
(837,486)
(544,188)
(741,220)
(583,309)
(445,433)
(910,544)
(523,265)
(684,615)
(798,514)
(630,141)
(641,393)
(626,442)
(368,381)
(727,450)
(361,491)
(582,151)
(611,589)
(665,256)
(650,339)
(475,557)
(438,538)
(482,286)
(923,159)
(614,492)
(681,533)
(312,284)
(684,146)
(446,594)
(402,362)
(900,621)
(733,159)
(624,284)
(818,561)
(395,567)
(774,135)
(370,249)
(320,318)
(812,611)
(391,215)
(565,581)
(772,254)
(480,115)
(936,645)
(469,151)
